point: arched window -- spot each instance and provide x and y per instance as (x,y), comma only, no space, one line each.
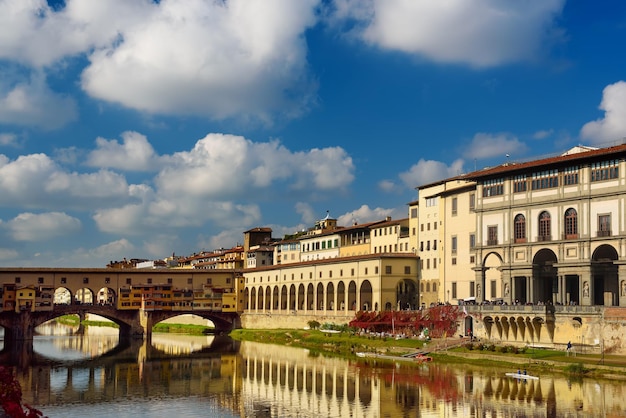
(544,227)
(520,228)
(571,224)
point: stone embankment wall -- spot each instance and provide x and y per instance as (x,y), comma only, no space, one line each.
(289,320)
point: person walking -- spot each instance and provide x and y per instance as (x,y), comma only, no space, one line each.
(569,347)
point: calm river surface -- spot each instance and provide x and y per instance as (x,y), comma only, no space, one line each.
(188,376)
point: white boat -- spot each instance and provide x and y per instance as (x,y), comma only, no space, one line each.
(522,376)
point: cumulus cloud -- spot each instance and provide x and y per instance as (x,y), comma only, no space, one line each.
(215,59)
(135,153)
(428,171)
(611,127)
(543,134)
(366,214)
(36,181)
(207,58)
(229,165)
(484,146)
(306,212)
(31,102)
(98,256)
(42,227)
(480,33)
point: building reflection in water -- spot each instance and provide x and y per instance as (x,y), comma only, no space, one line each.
(254,379)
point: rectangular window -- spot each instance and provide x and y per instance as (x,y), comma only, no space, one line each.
(128,280)
(107,280)
(190,280)
(492,235)
(85,280)
(472,201)
(454,261)
(209,280)
(413,212)
(435,226)
(472,289)
(604,225)
(472,241)
(421,245)
(40,280)
(472,259)
(570,176)
(545,179)
(434,263)
(454,295)
(428,263)
(604,170)
(427,245)
(63,280)
(453,244)
(431,201)
(18,280)
(454,206)
(387,269)
(493,187)
(493,288)
(407,269)
(434,244)
(519,183)
(149,280)
(428,226)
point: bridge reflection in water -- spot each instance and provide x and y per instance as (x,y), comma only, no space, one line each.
(253,379)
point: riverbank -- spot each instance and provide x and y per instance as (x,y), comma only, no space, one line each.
(451,350)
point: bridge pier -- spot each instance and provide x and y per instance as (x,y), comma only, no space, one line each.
(21,328)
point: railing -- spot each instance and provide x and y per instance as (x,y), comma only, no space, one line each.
(604,233)
(492,242)
(537,309)
(541,238)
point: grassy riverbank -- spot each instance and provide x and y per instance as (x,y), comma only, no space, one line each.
(536,361)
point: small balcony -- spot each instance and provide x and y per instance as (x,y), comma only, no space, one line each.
(604,233)
(542,238)
(492,241)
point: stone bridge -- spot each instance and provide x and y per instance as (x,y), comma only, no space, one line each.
(20,326)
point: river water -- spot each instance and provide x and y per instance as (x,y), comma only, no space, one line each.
(198,376)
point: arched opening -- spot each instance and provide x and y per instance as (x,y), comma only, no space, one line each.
(106,297)
(319,297)
(283,298)
(84,296)
(310,302)
(268,298)
(570,224)
(292,297)
(260,296)
(545,227)
(253,299)
(301,296)
(352,296)
(365,295)
(492,287)
(62,296)
(275,298)
(519,228)
(544,283)
(341,296)
(330,296)
(604,273)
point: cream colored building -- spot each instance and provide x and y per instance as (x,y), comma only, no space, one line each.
(391,236)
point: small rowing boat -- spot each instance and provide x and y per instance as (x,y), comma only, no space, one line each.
(522,376)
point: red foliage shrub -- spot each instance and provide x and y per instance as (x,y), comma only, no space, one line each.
(11,397)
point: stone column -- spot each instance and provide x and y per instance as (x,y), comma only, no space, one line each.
(586,286)
(621,274)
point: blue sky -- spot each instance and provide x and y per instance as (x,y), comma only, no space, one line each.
(133,128)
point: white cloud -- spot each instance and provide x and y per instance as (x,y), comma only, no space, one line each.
(612,127)
(36,34)
(8,139)
(135,153)
(543,134)
(32,102)
(366,214)
(99,256)
(428,171)
(228,165)
(307,213)
(388,186)
(41,227)
(484,146)
(480,33)
(217,59)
